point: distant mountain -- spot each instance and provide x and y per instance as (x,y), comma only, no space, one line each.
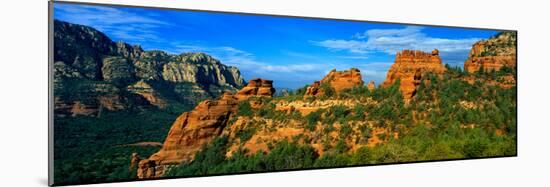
(92,73)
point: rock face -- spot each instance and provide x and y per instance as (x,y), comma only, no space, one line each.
(146,91)
(202,69)
(256,87)
(188,134)
(371,85)
(193,129)
(85,57)
(493,54)
(409,67)
(118,70)
(338,80)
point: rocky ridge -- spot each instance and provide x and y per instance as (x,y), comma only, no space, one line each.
(85,57)
(493,54)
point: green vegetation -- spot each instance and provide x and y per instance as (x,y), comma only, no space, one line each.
(435,125)
(448,118)
(312,119)
(92,149)
(246,133)
(211,160)
(244,109)
(327,90)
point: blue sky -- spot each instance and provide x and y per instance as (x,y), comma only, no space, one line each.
(291,51)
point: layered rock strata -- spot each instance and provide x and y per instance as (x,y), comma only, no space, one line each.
(409,67)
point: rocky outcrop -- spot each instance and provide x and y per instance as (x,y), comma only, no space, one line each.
(337,80)
(84,55)
(493,54)
(145,90)
(409,67)
(188,134)
(314,89)
(256,87)
(371,85)
(201,69)
(193,129)
(117,70)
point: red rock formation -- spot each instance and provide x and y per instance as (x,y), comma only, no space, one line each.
(371,85)
(339,80)
(314,89)
(188,134)
(200,126)
(409,67)
(493,54)
(256,87)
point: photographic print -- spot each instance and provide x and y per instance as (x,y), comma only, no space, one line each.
(149,93)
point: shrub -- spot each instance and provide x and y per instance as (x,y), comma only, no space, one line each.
(341,146)
(474,148)
(312,118)
(246,133)
(244,109)
(327,90)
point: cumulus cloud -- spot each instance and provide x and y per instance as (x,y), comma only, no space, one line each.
(354,46)
(392,40)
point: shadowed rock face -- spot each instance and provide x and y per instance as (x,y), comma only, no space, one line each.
(493,53)
(86,58)
(409,67)
(338,80)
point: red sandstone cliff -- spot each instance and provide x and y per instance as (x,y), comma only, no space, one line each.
(409,67)
(339,80)
(195,128)
(493,53)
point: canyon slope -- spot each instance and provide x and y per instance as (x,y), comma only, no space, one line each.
(92,73)
(192,130)
(233,115)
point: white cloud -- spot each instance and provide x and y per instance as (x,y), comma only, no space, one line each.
(123,25)
(354,57)
(392,40)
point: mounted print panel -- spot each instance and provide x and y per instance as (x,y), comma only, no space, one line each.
(146,93)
